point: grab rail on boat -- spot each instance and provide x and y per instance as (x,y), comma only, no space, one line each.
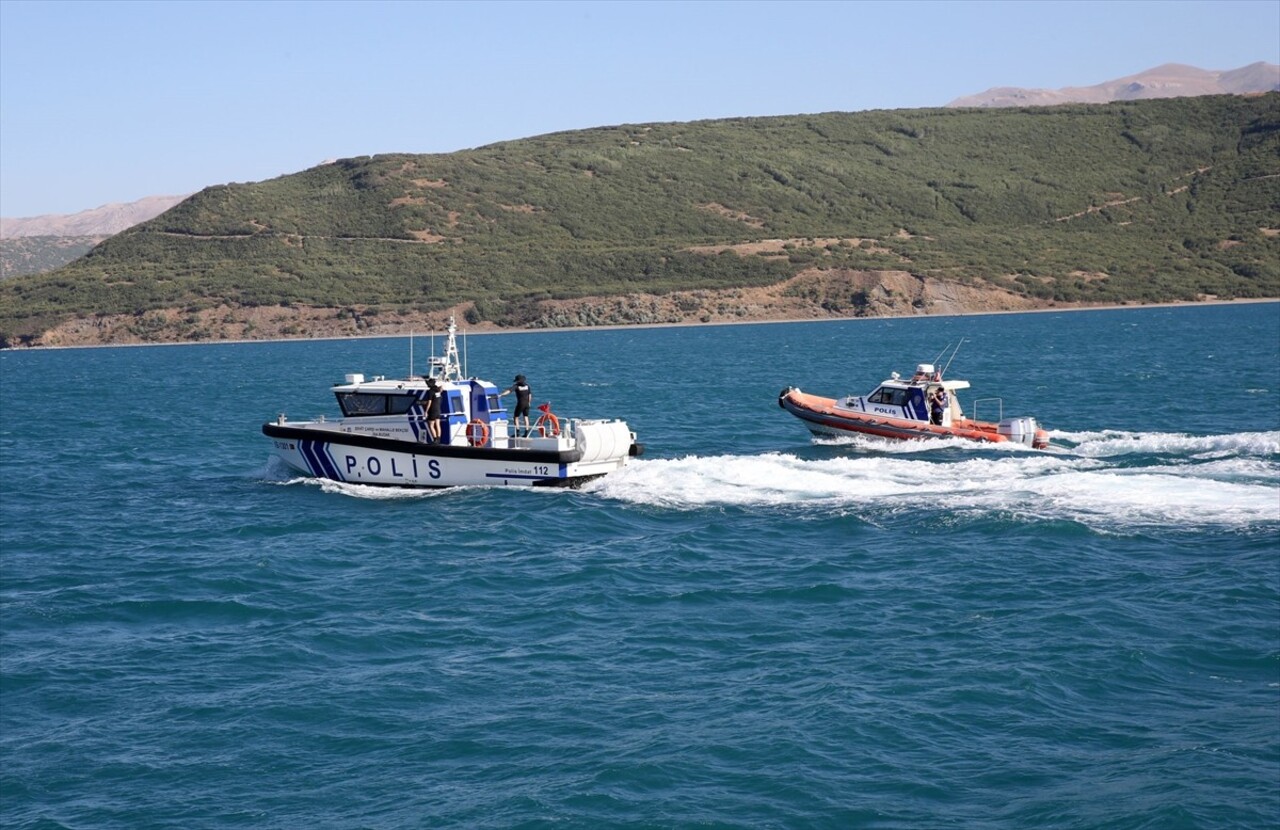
(519,436)
(999,409)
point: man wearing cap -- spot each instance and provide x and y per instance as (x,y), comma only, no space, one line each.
(523,396)
(432,404)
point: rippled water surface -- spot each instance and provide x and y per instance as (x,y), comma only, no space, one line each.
(747,627)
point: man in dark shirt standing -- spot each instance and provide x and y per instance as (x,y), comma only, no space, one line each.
(937,405)
(432,404)
(523,397)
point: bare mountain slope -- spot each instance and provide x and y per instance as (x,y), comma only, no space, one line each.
(102,221)
(1171,80)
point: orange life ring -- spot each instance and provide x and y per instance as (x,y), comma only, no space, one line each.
(477,433)
(548,418)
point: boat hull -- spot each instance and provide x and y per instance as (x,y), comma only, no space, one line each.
(824,417)
(390,462)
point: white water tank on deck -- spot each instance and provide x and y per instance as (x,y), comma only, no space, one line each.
(1020,430)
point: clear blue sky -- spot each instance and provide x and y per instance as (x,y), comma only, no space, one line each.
(112,101)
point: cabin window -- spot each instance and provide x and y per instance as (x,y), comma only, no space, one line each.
(356,404)
(495,403)
(892,397)
(362,403)
(400,404)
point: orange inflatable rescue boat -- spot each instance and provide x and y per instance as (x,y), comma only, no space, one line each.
(926,406)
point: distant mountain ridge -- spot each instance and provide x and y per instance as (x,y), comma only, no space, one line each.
(107,220)
(37,244)
(1172,80)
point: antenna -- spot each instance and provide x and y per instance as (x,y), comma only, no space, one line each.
(410,352)
(953,355)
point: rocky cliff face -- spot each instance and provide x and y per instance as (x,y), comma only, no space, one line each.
(812,295)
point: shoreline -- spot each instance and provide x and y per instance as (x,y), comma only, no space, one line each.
(623,326)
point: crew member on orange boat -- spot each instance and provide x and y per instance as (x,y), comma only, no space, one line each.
(937,406)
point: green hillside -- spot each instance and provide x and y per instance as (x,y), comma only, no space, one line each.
(35,254)
(1141,201)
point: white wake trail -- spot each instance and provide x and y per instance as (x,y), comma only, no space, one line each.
(1230,492)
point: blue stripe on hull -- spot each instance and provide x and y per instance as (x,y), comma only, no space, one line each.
(318,459)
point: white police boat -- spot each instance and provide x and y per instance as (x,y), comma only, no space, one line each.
(383,437)
(903,409)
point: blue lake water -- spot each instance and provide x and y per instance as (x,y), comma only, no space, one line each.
(744,628)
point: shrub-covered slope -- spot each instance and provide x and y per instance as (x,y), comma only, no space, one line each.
(1142,201)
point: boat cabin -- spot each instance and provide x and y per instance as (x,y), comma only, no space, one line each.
(909,399)
(471,401)
(471,410)
(899,400)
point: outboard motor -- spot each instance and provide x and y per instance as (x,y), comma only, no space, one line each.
(1019,430)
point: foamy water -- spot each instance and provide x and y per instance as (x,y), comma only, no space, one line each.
(1104,480)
